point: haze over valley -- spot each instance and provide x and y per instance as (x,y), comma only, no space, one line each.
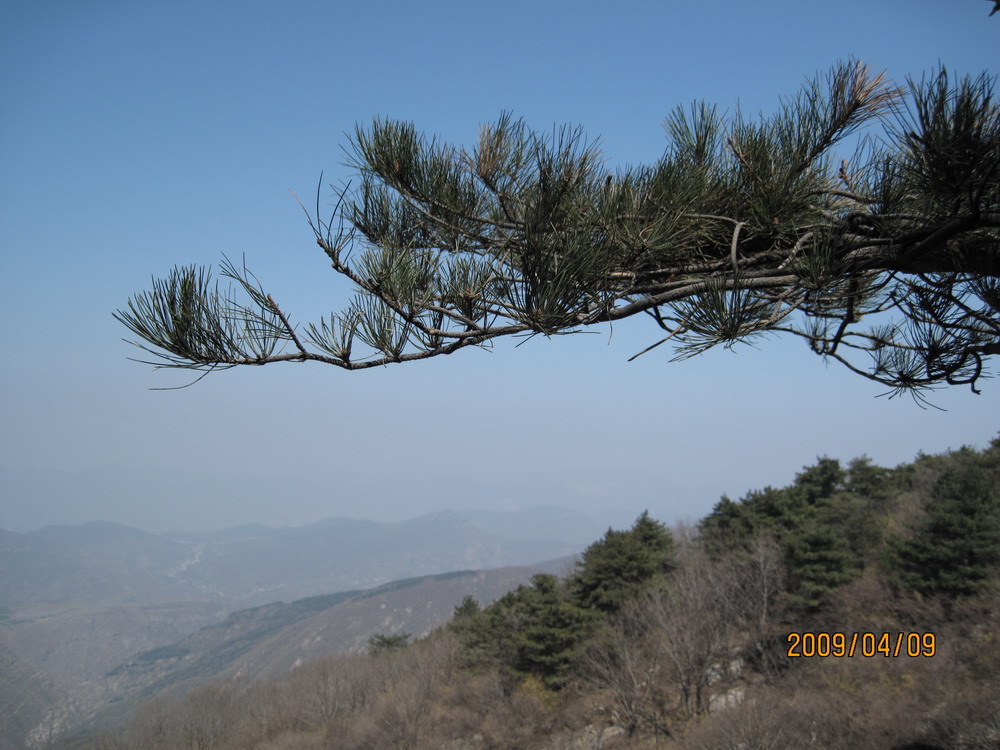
(99,615)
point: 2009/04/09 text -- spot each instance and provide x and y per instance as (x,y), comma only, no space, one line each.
(866,644)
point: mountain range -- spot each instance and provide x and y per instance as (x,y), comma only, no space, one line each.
(97,617)
(256,564)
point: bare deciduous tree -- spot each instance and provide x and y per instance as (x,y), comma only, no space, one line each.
(671,643)
(626,662)
(753,579)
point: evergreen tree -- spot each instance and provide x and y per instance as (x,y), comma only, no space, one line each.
(955,547)
(549,643)
(818,559)
(467,610)
(536,630)
(825,527)
(728,526)
(465,619)
(821,480)
(381,643)
(615,567)
(867,480)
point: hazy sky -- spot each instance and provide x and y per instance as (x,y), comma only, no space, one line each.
(136,135)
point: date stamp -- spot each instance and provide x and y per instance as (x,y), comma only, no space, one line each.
(866,644)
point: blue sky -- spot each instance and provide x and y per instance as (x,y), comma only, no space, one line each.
(139,135)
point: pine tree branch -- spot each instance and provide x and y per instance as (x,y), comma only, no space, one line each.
(740,228)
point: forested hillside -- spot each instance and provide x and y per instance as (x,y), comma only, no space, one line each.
(856,608)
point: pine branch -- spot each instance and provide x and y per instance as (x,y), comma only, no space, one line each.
(741,228)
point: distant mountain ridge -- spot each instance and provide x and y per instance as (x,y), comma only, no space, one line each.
(256,564)
(101,611)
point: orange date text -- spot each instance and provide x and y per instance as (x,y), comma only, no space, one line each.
(864,644)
